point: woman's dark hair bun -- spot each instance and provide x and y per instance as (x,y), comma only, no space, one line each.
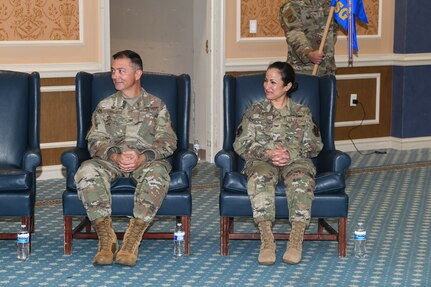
(294,87)
(287,73)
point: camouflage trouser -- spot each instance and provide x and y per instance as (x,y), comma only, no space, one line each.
(298,178)
(93,182)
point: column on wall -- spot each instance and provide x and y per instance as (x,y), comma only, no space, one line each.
(411,84)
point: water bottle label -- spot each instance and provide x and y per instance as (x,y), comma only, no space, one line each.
(23,238)
(179,236)
(360,235)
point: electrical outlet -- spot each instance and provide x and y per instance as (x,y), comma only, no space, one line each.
(353,100)
(253,26)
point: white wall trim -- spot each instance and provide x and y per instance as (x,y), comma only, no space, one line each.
(217,43)
(376,119)
(58,145)
(55,70)
(50,172)
(384,143)
(51,89)
(370,60)
(105,38)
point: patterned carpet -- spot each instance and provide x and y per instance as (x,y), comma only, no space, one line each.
(390,192)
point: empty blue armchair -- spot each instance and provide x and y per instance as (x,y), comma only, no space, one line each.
(19,146)
(175,92)
(331,201)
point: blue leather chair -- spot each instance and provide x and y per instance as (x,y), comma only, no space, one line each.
(175,92)
(19,146)
(331,201)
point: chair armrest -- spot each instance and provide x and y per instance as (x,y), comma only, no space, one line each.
(32,158)
(72,159)
(333,160)
(185,160)
(224,159)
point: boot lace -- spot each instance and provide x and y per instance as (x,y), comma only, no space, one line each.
(297,236)
(103,234)
(133,239)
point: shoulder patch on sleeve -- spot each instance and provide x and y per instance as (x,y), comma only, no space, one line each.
(316,130)
(239,131)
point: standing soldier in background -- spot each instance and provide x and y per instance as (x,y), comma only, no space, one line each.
(303,22)
(131,136)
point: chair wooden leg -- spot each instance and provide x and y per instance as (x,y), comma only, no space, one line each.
(342,237)
(26,220)
(224,235)
(30,224)
(320,226)
(185,220)
(88,226)
(67,235)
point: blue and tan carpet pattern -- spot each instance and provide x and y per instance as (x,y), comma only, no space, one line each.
(390,193)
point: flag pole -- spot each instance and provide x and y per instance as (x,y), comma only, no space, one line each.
(350,33)
(325,34)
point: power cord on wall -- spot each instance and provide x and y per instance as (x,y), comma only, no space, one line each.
(360,124)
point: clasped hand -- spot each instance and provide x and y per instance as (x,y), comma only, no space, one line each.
(128,161)
(279,156)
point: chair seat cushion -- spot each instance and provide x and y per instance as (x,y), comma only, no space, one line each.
(14,179)
(176,203)
(326,183)
(234,204)
(16,203)
(330,200)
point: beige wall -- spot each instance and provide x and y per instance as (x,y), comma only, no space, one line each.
(57,51)
(160,31)
(170,38)
(369,78)
(274,46)
(42,51)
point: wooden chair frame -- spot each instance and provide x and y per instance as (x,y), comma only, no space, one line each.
(227,233)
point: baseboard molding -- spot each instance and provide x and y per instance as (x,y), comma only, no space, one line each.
(384,143)
(58,171)
(50,172)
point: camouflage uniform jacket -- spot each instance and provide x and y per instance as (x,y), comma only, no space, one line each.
(303,22)
(263,127)
(144,126)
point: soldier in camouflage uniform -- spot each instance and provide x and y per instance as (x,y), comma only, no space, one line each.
(303,22)
(131,135)
(277,138)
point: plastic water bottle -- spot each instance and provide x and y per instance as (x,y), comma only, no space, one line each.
(179,241)
(196,148)
(23,243)
(360,240)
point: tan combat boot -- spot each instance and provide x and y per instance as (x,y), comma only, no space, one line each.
(267,245)
(128,254)
(108,244)
(293,252)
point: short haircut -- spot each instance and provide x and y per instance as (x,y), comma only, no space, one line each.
(133,56)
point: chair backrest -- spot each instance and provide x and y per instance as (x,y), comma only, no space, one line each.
(19,115)
(318,93)
(172,89)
